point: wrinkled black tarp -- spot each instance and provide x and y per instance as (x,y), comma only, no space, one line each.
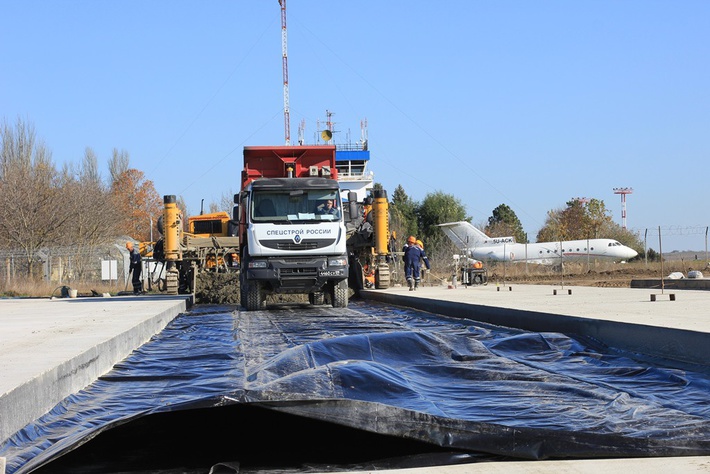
(450,382)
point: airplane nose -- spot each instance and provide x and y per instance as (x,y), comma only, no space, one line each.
(630,253)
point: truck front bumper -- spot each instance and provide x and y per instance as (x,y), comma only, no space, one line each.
(298,274)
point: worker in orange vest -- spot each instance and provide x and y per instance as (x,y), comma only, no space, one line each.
(413,257)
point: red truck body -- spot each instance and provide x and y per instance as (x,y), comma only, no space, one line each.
(279,161)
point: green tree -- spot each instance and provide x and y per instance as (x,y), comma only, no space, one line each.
(574,221)
(652,255)
(599,218)
(504,222)
(438,208)
(550,231)
(403,216)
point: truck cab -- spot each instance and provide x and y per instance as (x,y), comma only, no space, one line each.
(293,238)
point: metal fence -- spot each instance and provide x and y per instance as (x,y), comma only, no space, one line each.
(108,264)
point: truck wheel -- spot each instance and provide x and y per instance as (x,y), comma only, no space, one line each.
(317,298)
(339,295)
(255,296)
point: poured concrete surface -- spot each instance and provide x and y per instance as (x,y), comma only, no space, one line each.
(690,310)
(620,317)
(684,465)
(52,348)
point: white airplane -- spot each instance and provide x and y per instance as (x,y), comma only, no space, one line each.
(478,245)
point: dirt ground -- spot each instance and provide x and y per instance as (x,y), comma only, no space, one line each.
(597,274)
(609,275)
(615,278)
(217,288)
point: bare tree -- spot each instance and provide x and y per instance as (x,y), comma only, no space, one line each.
(226,202)
(95,217)
(90,167)
(182,205)
(31,209)
(118,165)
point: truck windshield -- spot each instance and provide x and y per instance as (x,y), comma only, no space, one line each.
(300,205)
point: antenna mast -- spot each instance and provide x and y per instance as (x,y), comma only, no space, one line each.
(284,53)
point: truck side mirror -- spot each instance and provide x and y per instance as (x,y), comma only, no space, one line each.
(352,205)
(233,228)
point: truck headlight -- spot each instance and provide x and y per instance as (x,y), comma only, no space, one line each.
(257,264)
(337,262)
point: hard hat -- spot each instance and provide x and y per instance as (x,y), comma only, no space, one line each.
(411,239)
(129,245)
(420,243)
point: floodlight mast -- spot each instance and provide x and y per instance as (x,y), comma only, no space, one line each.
(623,192)
(284,54)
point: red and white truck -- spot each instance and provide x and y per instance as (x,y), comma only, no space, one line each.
(292,236)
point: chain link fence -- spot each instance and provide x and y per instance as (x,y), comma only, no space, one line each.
(107,263)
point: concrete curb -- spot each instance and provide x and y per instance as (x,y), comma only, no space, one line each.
(36,396)
(676,344)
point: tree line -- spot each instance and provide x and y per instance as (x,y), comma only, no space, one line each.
(72,206)
(579,219)
(44,206)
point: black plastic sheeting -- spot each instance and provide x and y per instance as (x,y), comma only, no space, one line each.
(451,383)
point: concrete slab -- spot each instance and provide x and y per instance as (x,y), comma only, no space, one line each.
(620,317)
(52,348)
(686,465)
(690,311)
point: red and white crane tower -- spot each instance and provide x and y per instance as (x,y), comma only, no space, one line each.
(623,192)
(284,54)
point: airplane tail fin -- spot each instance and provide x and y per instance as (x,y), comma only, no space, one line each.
(463,234)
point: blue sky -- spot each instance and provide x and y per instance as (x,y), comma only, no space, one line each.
(524,103)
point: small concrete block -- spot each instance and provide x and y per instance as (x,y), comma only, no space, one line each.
(671,296)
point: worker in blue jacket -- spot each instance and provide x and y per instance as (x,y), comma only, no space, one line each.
(135,266)
(413,257)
